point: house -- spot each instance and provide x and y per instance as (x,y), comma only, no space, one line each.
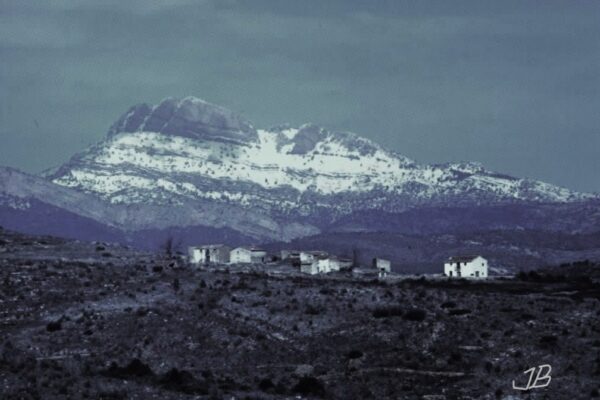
(247,255)
(330,264)
(466,267)
(323,264)
(382,266)
(311,269)
(209,254)
(308,257)
(291,256)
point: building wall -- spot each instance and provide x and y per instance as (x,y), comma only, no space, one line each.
(306,258)
(311,269)
(240,255)
(258,256)
(217,254)
(383,265)
(477,268)
(194,255)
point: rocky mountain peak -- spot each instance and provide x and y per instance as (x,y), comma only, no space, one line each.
(188,117)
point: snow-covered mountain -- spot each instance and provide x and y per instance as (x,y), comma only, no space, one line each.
(186,162)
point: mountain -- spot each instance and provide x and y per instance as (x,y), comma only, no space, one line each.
(31,204)
(198,172)
(186,162)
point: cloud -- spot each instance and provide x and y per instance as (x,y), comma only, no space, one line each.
(511,84)
(37,31)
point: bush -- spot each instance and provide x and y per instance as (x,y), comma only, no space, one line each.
(310,386)
(353,354)
(448,304)
(135,368)
(183,381)
(548,340)
(386,312)
(416,314)
(54,326)
(265,384)
(459,311)
(313,310)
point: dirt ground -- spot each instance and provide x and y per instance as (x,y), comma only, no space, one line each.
(98,321)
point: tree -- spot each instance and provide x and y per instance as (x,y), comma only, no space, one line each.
(355,256)
(171,246)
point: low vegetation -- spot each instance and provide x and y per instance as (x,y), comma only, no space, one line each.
(76,324)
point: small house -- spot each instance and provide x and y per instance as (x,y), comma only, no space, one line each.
(466,267)
(247,255)
(330,264)
(308,257)
(209,254)
(323,264)
(311,269)
(382,266)
(291,257)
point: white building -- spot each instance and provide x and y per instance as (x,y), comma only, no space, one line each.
(382,266)
(311,269)
(291,256)
(466,267)
(209,254)
(330,264)
(308,257)
(324,264)
(247,255)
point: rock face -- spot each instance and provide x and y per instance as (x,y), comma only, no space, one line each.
(186,163)
(189,117)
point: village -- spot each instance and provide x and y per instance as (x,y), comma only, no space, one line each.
(319,262)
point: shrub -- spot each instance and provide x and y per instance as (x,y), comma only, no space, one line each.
(183,381)
(135,368)
(310,386)
(459,311)
(548,340)
(54,326)
(353,354)
(313,310)
(386,312)
(416,314)
(448,304)
(265,384)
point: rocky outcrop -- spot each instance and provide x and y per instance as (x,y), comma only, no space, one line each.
(188,117)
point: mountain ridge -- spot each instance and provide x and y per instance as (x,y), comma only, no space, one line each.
(185,164)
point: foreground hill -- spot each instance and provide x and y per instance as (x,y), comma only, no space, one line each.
(102,322)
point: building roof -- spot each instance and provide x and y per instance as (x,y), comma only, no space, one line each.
(315,252)
(249,248)
(210,246)
(464,258)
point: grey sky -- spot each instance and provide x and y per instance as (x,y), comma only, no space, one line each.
(514,85)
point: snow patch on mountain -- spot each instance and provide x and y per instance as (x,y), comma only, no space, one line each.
(189,150)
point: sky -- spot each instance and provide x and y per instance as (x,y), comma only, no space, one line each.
(514,85)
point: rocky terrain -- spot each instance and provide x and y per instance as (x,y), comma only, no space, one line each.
(93,320)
